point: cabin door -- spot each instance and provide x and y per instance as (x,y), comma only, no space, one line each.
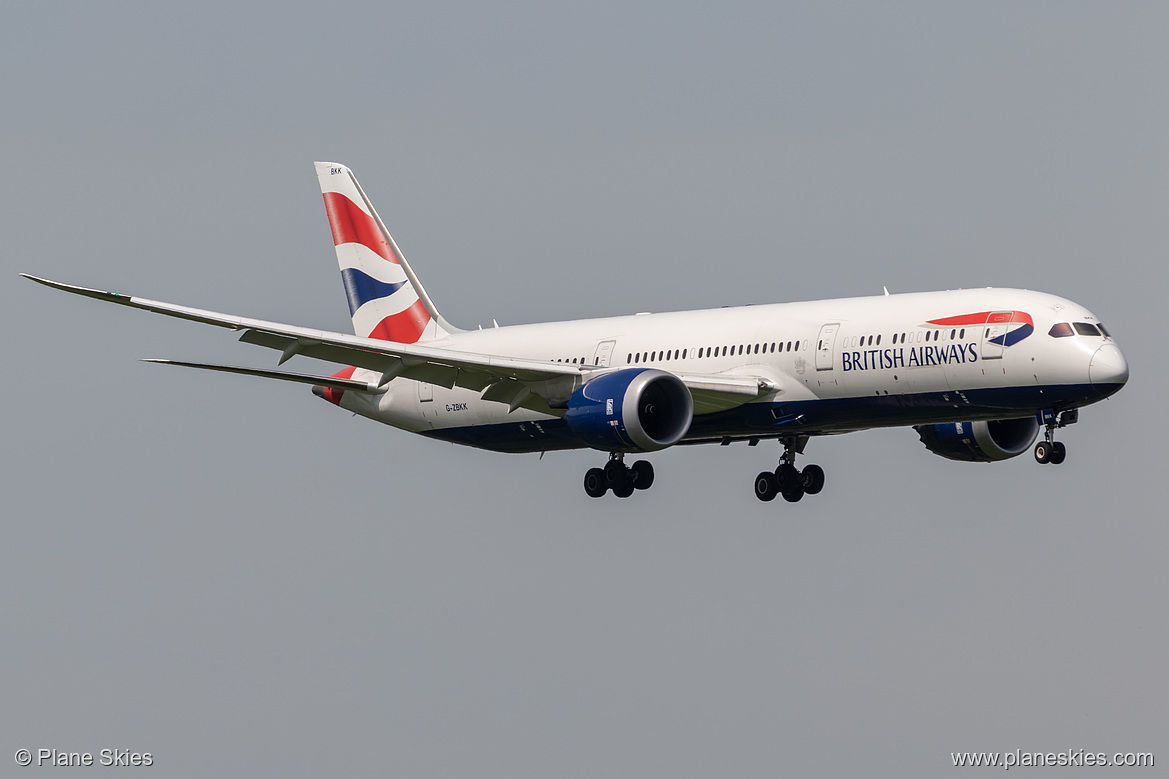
(992,334)
(604,353)
(826,347)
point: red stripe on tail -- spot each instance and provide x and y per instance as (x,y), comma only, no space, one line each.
(405,327)
(352,225)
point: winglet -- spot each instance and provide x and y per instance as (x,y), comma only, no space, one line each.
(112,297)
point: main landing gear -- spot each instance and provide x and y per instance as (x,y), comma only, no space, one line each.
(620,478)
(787,480)
(1049,450)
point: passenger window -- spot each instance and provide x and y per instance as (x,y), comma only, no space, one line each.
(953,333)
(962,333)
(629,359)
(1085,328)
(878,340)
(683,354)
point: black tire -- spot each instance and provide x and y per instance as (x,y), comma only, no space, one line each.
(793,494)
(1042,452)
(616,474)
(787,477)
(765,487)
(1059,453)
(594,483)
(643,474)
(813,479)
(624,490)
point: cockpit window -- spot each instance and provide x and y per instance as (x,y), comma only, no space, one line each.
(1061,330)
(1086,328)
(1106,333)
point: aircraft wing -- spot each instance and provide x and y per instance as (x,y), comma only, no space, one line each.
(536,385)
(527,383)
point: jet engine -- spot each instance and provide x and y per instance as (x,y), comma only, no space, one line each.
(631,410)
(982,442)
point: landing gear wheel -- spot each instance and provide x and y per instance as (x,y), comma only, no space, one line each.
(1058,453)
(616,473)
(787,477)
(594,483)
(624,490)
(765,487)
(643,474)
(793,494)
(1043,452)
(812,478)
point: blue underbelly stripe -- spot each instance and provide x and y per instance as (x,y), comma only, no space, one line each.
(806,417)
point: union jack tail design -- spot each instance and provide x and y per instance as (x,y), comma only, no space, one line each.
(385,298)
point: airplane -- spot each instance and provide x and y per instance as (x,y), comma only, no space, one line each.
(978,373)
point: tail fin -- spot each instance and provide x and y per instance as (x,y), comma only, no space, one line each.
(386,299)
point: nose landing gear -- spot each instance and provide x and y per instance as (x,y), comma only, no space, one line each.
(616,476)
(1049,450)
(787,480)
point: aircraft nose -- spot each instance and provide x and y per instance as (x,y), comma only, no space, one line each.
(1108,366)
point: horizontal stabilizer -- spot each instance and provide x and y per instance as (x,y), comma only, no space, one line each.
(300,378)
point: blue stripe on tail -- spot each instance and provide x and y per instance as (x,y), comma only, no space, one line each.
(360,288)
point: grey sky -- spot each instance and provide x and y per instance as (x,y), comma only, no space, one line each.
(239,578)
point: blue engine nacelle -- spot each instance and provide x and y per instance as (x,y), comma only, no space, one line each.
(981,442)
(631,410)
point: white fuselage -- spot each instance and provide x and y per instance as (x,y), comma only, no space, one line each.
(832,366)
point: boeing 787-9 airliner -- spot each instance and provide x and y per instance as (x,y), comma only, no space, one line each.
(978,373)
